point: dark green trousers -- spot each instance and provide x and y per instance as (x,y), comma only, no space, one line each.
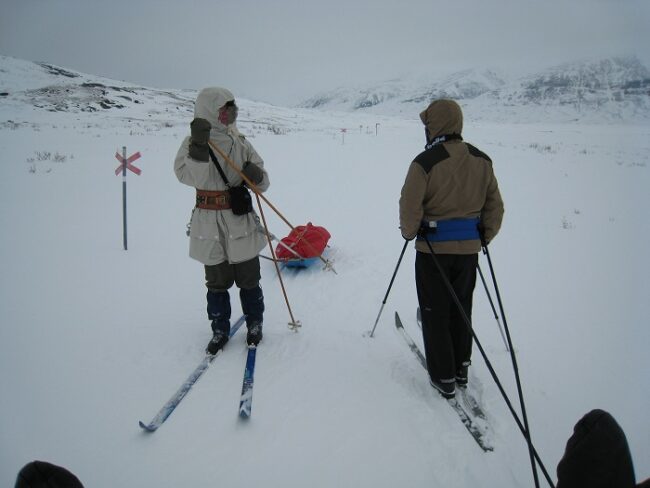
(221,277)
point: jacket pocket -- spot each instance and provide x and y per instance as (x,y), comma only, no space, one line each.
(239,226)
(244,241)
(205,244)
(204,225)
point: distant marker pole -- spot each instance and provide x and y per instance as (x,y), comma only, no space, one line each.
(125,163)
(124,231)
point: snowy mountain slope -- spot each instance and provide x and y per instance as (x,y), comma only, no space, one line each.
(589,83)
(401,95)
(616,89)
(57,89)
(45,89)
(94,338)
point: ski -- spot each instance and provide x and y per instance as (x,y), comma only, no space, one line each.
(466,397)
(477,433)
(173,402)
(246,399)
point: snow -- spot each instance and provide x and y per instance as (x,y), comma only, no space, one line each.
(94,338)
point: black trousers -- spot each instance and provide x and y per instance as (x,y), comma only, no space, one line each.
(447,339)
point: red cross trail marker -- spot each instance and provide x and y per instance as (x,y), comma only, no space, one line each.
(127,163)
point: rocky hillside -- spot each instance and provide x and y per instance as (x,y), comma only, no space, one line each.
(604,90)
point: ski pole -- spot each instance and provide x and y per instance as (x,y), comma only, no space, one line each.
(256,190)
(401,255)
(496,316)
(293,325)
(512,351)
(524,428)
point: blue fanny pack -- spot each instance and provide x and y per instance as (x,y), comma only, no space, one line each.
(450,230)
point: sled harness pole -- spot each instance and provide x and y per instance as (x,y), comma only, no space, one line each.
(524,429)
(494,311)
(253,186)
(288,248)
(401,255)
(294,324)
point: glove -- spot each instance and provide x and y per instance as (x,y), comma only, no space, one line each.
(200,133)
(253,172)
(408,238)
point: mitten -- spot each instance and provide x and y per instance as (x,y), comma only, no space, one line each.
(200,134)
(253,172)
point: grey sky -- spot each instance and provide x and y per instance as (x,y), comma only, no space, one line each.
(283,51)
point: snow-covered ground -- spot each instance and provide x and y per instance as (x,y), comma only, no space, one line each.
(94,338)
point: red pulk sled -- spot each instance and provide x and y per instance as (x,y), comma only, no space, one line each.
(303,246)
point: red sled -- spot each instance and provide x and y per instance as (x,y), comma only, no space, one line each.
(303,246)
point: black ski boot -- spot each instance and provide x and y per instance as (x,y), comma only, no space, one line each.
(461,375)
(252,304)
(219,339)
(447,388)
(254,335)
(219,313)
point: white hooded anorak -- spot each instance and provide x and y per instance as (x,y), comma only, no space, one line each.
(217,236)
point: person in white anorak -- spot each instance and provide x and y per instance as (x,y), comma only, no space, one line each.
(225,237)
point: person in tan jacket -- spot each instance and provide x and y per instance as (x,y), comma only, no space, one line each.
(450,192)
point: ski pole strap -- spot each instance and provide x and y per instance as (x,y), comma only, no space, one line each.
(465,229)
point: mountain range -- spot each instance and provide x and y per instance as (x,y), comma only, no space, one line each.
(602,91)
(616,89)
(56,89)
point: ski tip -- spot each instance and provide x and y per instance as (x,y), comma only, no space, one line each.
(244,415)
(147,428)
(398,321)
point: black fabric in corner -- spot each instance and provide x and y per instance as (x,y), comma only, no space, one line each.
(597,455)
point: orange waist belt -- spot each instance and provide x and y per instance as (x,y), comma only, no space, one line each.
(212,200)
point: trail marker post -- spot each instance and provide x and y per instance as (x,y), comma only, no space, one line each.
(125,163)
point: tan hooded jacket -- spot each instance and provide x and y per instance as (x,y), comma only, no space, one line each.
(219,235)
(450,180)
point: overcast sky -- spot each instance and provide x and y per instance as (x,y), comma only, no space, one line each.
(284,51)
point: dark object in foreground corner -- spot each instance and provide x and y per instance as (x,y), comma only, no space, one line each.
(40,474)
(597,455)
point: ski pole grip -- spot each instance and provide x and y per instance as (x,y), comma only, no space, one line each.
(481,233)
